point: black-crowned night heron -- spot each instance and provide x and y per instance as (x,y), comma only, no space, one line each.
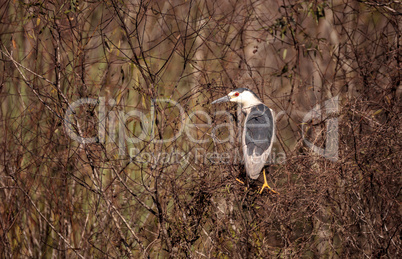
(258,131)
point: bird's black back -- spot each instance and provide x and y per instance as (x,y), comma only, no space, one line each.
(259,128)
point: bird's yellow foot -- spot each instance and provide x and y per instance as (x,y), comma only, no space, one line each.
(240,181)
(266,185)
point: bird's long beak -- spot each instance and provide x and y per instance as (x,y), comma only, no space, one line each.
(222,100)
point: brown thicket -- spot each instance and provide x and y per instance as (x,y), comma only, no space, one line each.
(110,147)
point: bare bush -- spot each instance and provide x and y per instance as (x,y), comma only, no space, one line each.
(110,147)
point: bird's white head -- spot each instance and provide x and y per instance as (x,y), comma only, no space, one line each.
(243,96)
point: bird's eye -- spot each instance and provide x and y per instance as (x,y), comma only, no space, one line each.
(236,94)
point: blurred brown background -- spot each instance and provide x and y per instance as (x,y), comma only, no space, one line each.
(151,69)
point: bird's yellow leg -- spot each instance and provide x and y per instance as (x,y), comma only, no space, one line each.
(266,184)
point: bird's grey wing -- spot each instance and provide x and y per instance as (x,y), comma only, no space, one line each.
(257,139)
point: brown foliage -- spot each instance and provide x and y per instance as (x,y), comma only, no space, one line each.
(146,71)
